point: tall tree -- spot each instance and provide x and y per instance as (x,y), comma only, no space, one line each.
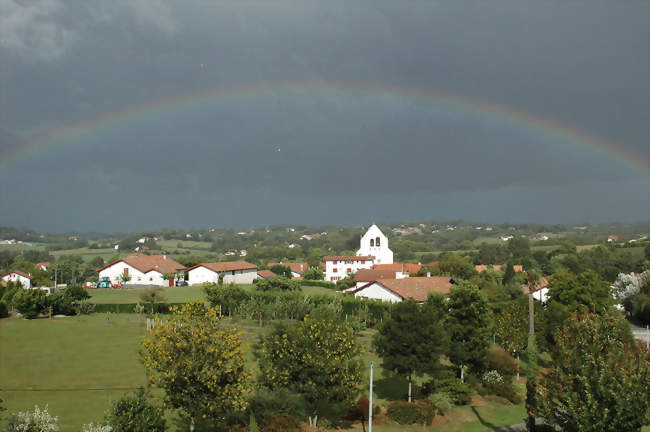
(413,338)
(198,363)
(469,323)
(317,358)
(599,379)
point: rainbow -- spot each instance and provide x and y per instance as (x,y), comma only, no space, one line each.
(531,123)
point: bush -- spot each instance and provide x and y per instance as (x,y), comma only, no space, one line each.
(268,404)
(502,362)
(30,302)
(4,310)
(37,421)
(84,308)
(411,413)
(280,423)
(459,393)
(320,283)
(133,412)
(442,402)
(96,428)
(278,283)
(75,292)
(314,274)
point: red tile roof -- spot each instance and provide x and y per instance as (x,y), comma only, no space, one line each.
(482,267)
(45,264)
(18,272)
(417,288)
(296,267)
(409,268)
(371,275)
(265,274)
(541,283)
(225,266)
(348,258)
(147,263)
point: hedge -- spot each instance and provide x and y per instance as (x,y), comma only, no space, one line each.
(320,283)
(160,308)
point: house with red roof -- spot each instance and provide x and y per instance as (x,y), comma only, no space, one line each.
(43,265)
(397,290)
(265,274)
(142,270)
(297,268)
(340,267)
(365,276)
(24,279)
(238,272)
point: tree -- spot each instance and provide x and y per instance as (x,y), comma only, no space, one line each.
(577,292)
(511,327)
(314,273)
(152,296)
(134,412)
(281,270)
(225,297)
(30,302)
(277,283)
(124,278)
(519,247)
(469,324)
(412,340)
(455,266)
(198,363)
(509,273)
(599,379)
(317,358)
(38,421)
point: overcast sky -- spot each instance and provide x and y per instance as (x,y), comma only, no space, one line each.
(335,156)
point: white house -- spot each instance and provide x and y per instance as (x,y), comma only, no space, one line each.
(297,268)
(43,265)
(539,291)
(340,267)
(239,272)
(18,276)
(397,290)
(374,243)
(142,270)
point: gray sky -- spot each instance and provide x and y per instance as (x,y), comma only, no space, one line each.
(345,156)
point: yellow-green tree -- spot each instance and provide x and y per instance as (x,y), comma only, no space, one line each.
(198,363)
(317,358)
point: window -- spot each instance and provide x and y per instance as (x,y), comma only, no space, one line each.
(372,243)
(335,270)
(233,272)
(377,242)
(126,271)
(349,270)
(363,262)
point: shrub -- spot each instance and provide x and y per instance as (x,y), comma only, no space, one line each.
(267,404)
(494,383)
(492,378)
(4,310)
(30,302)
(76,293)
(314,274)
(280,423)
(502,362)
(459,393)
(133,412)
(442,402)
(411,413)
(84,308)
(278,283)
(37,421)
(97,428)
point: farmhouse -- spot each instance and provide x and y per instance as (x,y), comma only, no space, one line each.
(340,267)
(375,243)
(18,276)
(396,290)
(142,270)
(239,272)
(297,268)
(43,265)
(365,276)
(539,290)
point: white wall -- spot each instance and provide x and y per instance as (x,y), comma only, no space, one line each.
(201,275)
(378,292)
(382,254)
(541,295)
(344,268)
(115,272)
(15,277)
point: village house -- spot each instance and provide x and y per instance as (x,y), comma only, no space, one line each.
(297,268)
(238,272)
(397,290)
(365,276)
(539,290)
(374,243)
(142,270)
(265,274)
(340,267)
(43,265)
(14,276)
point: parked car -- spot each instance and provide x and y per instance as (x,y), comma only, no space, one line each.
(181,282)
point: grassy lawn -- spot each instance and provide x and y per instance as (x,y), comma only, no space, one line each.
(185,244)
(76,366)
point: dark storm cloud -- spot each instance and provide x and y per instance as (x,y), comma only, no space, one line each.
(584,64)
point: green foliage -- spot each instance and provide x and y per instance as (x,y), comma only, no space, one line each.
(442,402)
(317,358)
(519,247)
(281,270)
(198,363)
(278,283)
(599,379)
(30,302)
(4,310)
(411,413)
(313,273)
(68,301)
(502,362)
(453,265)
(228,297)
(459,393)
(469,324)
(412,340)
(36,421)
(511,326)
(134,412)
(268,403)
(152,296)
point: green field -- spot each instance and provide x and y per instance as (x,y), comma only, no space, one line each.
(77,365)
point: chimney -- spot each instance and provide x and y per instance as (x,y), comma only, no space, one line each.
(428,274)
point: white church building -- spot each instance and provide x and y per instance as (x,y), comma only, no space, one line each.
(375,243)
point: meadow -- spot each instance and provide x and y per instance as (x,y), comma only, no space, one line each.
(78,365)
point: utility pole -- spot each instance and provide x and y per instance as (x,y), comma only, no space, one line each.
(531,318)
(370,400)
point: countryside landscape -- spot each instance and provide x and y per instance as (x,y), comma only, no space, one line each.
(324,215)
